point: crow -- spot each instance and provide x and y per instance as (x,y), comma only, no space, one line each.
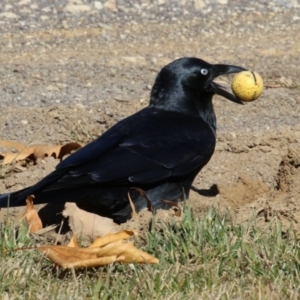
(160,149)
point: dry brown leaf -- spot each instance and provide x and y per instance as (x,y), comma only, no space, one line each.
(130,253)
(94,262)
(57,151)
(13,144)
(32,217)
(103,251)
(93,256)
(133,210)
(67,149)
(41,150)
(73,242)
(63,255)
(35,152)
(86,225)
(112,237)
(11,156)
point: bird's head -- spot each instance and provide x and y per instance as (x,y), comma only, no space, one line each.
(186,85)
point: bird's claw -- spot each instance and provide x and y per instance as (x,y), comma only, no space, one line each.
(143,194)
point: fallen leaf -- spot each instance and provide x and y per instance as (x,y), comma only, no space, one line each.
(112,237)
(57,151)
(67,149)
(86,225)
(133,210)
(67,257)
(130,253)
(95,255)
(73,242)
(95,262)
(64,255)
(105,250)
(41,150)
(13,144)
(35,152)
(31,215)
(11,156)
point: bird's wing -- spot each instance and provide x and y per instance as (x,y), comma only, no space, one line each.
(147,147)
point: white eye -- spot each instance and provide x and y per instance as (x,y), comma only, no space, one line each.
(204,71)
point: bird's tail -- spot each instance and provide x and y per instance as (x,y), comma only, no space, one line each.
(104,201)
(51,194)
(14,199)
(18,198)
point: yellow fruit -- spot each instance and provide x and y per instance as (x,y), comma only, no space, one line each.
(247,86)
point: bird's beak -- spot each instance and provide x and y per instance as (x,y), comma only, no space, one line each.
(223,70)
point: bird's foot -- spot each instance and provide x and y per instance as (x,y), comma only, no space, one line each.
(174,205)
(143,194)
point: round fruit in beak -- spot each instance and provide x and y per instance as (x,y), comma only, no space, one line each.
(247,86)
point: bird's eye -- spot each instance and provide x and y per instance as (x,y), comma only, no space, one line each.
(204,71)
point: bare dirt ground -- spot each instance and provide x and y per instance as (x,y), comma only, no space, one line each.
(72,82)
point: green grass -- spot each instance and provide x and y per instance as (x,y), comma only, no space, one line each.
(208,258)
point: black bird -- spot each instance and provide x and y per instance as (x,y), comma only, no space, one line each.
(159,149)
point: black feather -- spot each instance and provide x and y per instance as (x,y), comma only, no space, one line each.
(160,149)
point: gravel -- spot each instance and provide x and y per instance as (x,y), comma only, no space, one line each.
(59,52)
(69,70)
(23,15)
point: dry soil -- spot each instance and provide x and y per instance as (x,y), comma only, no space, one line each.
(72,81)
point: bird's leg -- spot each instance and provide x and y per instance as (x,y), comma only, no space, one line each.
(143,194)
(175,206)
